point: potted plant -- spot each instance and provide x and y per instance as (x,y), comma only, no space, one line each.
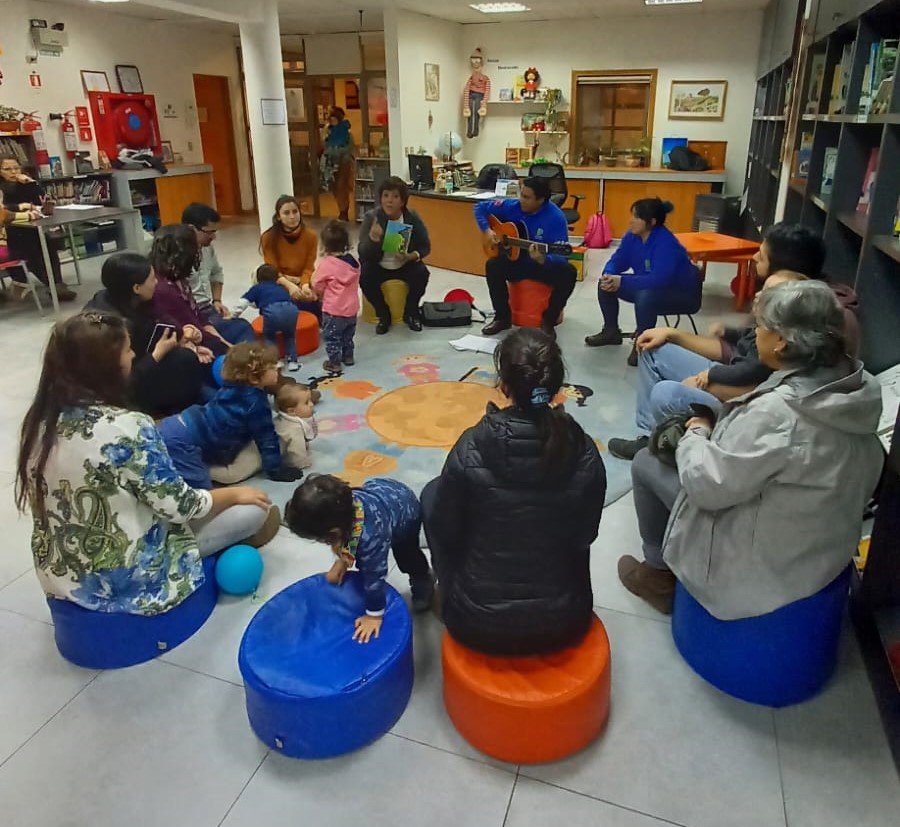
(552,100)
(609,157)
(9,119)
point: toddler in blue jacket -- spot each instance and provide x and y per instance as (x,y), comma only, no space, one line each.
(279,313)
(362,525)
(214,433)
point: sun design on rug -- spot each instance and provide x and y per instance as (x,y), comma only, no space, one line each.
(432,415)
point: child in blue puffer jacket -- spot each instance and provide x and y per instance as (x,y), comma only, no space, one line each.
(214,433)
(362,526)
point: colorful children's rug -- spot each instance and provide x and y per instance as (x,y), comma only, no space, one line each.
(400,409)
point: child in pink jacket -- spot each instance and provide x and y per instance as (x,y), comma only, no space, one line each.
(336,281)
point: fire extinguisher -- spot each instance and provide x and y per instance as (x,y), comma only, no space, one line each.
(68,131)
(32,126)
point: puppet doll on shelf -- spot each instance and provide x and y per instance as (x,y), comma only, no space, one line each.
(476,93)
(532,79)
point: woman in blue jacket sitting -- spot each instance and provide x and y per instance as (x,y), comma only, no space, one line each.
(662,280)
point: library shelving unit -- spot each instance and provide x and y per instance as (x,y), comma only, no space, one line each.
(840,138)
(370,172)
(20,144)
(766,139)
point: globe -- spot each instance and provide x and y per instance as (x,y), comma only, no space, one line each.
(449,145)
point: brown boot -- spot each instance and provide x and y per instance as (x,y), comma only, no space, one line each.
(267,530)
(654,586)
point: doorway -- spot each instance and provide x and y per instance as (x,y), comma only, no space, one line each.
(307,128)
(217,138)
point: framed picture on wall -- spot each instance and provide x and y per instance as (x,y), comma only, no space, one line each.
(129,79)
(698,100)
(168,155)
(432,82)
(94,80)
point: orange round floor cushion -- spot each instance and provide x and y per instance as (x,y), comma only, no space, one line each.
(527,710)
(307,333)
(528,300)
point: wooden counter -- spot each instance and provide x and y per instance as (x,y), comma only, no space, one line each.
(455,237)
(614,189)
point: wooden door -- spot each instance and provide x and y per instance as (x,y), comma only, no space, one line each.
(175,192)
(217,137)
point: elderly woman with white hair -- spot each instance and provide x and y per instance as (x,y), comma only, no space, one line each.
(765,505)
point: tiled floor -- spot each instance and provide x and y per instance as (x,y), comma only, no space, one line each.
(167,743)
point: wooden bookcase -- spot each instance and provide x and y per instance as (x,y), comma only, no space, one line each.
(797,120)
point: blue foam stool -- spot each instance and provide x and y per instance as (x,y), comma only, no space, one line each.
(311,691)
(111,640)
(776,659)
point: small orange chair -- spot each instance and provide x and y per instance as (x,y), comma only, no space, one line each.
(528,300)
(528,710)
(307,333)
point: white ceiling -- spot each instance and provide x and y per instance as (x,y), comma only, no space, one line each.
(318,16)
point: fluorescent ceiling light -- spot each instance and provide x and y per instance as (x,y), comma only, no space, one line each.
(669,2)
(498,8)
(109,1)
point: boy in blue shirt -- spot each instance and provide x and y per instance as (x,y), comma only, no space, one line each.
(545,223)
(278,312)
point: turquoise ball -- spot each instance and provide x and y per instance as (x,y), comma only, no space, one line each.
(217,370)
(239,569)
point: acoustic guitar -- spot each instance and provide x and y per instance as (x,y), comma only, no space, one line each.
(512,238)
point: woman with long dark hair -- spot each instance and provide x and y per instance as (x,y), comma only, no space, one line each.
(511,518)
(169,372)
(290,247)
(174,256)
(116,529)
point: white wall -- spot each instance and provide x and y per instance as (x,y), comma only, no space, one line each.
(422,40)
(714,46)
(167,55)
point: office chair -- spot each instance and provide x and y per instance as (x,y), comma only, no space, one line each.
(489,174)
(559,192)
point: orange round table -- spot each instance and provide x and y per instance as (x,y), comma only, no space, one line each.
(528,710)
(528,300)
(307,333)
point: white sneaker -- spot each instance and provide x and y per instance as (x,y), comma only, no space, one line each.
(293,365)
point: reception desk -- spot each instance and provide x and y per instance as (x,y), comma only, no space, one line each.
(456,240)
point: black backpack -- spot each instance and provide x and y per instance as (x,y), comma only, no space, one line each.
(686,160)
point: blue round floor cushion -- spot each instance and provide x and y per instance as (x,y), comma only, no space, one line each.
(312,691)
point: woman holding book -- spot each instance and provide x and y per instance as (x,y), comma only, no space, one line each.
(393,241)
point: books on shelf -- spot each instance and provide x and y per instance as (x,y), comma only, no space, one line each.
(816,82)
(879,67)
(829,162)
(864,204)
(840,81)
(801,167)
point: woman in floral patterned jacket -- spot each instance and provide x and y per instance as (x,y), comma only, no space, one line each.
(116,529)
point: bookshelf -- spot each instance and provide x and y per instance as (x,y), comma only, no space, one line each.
(824,116)
(21,145)
(87,188)
(370,172)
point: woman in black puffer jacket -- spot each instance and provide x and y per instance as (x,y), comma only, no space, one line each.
(511,518)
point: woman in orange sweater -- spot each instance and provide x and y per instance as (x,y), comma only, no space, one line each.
(290,247)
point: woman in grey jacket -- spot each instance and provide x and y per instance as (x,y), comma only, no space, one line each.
(379,265)
(766,505)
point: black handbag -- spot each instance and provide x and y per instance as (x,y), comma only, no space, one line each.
(446,314)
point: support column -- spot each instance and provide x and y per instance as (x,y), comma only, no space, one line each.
(264,78)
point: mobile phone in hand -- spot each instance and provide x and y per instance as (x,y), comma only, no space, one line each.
(158,332)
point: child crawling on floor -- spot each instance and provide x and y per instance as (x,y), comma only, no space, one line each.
(362,525)
(215,433)
(295,425)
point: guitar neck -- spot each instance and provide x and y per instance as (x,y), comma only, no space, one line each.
(524,243)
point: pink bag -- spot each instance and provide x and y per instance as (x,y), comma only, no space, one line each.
(597,234)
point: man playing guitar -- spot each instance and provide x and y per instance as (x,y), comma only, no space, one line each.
(532,216)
